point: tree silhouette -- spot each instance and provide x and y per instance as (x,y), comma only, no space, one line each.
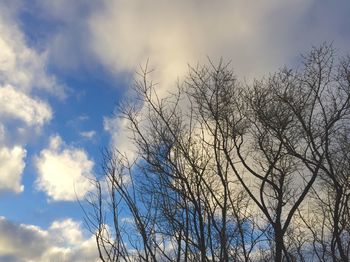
(227,171)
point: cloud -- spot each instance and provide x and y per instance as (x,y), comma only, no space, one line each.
(20,65)
(69,232)
(2,133)
(62,241)
(18,105)
(21,240)
(118,128)
(20,114)
(88,134)
(23,73)
(174,33)
(66,43)
(257,36)
(63,171)
(11,168)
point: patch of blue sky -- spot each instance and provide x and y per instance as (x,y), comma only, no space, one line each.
(92,93)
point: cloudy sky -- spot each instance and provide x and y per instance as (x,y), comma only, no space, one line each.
(65,65)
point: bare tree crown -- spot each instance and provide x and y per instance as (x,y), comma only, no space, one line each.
(227,171)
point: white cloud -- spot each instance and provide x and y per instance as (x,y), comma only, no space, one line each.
(88,134)
(64,171)
(11,168)
(120,134)
(20,65)
(68,231)
(18,105)
(63,241)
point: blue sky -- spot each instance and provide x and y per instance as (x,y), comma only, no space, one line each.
(65,65)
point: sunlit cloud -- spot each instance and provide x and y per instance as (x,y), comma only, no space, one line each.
(18,105)
(64,172)
(11,168)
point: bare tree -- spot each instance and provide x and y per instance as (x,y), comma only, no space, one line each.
(224,170)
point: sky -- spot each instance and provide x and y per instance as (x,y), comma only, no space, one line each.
(65,65)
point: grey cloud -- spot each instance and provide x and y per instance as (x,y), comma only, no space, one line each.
(66,44)
(259,36)
(10,258)
(19,242)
